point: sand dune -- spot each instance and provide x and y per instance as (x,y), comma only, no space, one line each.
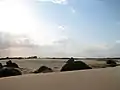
(96,79)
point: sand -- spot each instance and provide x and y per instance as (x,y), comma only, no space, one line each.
(96,79)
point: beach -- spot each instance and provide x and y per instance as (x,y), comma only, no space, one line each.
(95,79)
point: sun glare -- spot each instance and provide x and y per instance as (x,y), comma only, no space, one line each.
(17,18)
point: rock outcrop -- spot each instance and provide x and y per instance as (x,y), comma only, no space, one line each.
(43,69)
(111,63)
(6,71)
(11,64)
(72,65)
(1,66)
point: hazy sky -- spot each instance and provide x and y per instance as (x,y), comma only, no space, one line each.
(80,28)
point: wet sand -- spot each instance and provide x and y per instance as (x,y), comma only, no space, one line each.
(95,79)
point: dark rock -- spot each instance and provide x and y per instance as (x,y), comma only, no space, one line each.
(71,60)
(26,70)
(111,63)
(10,64)
(5,72)
(56,67)
(1,66)
(75,65)
(43,69)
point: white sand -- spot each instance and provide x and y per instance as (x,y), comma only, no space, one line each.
(96,79)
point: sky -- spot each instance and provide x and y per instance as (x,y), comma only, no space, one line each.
(60,28)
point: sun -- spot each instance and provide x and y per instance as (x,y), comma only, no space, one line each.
(16,17)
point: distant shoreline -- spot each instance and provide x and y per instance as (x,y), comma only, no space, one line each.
(35,57)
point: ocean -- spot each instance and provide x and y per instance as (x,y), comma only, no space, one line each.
(33,64)
(30,65)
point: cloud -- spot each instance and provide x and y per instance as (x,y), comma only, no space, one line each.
(60,1)
(117,41)
(8,40)
(21,45)
(73,48)
(64,2)
(61,27)
(16,45)
(73,10)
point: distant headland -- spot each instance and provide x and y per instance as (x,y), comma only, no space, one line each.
(78,58)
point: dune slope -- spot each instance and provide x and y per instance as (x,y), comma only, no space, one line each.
(96,79)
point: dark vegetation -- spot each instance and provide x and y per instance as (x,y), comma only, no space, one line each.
(35,57)
(31,57)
